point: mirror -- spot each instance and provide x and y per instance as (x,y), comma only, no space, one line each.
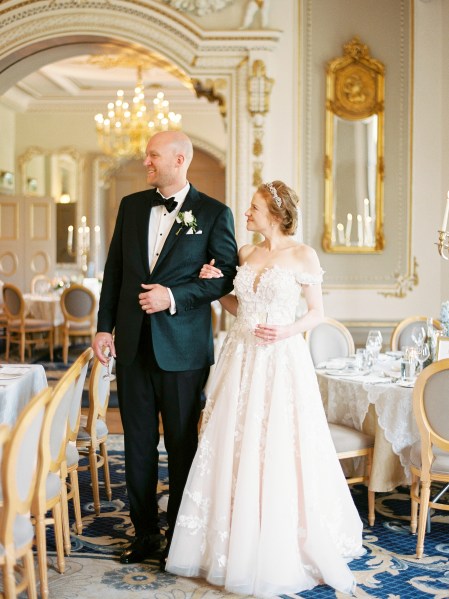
(354,161)
(55,173)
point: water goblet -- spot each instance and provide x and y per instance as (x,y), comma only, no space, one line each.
(374,343)
(422,354)
(418,336)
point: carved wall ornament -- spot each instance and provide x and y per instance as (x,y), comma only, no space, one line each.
(212,90)
(199,7)
(404,282)
(253,8)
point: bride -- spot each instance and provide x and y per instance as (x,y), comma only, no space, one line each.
(266,509)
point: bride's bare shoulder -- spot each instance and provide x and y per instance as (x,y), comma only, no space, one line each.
(245,252)
(307,257)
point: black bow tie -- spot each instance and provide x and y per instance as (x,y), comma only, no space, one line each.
(169,203)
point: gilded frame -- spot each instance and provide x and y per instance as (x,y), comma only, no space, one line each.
(364,76)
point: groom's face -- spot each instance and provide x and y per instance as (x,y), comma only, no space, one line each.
(160,162)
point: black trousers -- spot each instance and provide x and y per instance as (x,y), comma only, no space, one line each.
(144,390)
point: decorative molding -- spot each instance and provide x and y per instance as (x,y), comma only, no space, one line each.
(200,8)
(212,90)
(404,282)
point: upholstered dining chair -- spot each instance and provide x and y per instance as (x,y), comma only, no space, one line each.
(430,455)
(51,490)
(329,339)
(93,432)
(78,305)
(19,471)
(20,329)
(402,333)
(351,443)
(72,455)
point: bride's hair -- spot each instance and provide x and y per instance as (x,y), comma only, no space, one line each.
(283,204)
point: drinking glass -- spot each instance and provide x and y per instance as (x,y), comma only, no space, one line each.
(418,336)
(361,358)
(374,343)
(422,354)
(408,364)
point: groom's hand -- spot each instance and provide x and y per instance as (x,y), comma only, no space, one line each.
(155,299)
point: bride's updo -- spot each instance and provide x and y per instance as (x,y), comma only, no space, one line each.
(283,204)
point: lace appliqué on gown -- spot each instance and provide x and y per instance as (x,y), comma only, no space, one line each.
(266,510)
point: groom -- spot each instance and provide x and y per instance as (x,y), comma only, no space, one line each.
(158,308)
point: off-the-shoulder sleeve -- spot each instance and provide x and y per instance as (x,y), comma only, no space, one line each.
(307,278)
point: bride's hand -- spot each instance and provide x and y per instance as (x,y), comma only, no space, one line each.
(209,271)
(270,333)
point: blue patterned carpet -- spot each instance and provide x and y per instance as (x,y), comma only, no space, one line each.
(388,570)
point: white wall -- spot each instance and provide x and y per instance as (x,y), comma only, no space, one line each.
(7,139)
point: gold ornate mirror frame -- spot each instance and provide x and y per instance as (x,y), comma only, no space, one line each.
(354,161)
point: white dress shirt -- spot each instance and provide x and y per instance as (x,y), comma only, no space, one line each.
(161,221)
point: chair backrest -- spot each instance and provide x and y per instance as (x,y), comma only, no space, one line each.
(99,391)
(20,464)
(402,333)
(78,303)
(73,422)
(329,339)
(430,408)
(40,284)
(13,302)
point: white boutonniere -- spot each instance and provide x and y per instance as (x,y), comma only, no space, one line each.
(186,219)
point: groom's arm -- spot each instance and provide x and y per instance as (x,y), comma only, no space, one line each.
(223,247)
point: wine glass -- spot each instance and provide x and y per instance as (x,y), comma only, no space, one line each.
(422,354)
(418,336)
(374,343)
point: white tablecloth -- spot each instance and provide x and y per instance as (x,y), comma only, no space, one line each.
(45,307)
(18,385)
(348,401)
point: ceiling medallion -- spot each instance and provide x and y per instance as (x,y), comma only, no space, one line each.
(199,7)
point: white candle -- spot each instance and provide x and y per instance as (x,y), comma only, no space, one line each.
(86,238)
(366,207)
(446,214)
(70,238)
(80,239)
(360,229)
(340,233)
(348,228)
(97,235)
(368,231)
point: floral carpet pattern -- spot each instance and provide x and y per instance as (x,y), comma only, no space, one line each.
(388,570)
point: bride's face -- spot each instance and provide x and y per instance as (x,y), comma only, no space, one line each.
(258,216)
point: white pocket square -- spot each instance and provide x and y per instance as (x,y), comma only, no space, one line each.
(198,232)
(190,232)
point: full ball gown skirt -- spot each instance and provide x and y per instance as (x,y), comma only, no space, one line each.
(266,509)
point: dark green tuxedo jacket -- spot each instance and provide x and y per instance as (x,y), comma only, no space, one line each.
(182,341)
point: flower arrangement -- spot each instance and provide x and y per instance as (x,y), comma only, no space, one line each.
(186,219)
(444,317)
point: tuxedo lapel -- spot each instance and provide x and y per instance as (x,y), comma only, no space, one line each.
(143,219)
(173,237)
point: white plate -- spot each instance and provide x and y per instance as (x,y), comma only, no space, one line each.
(394,354)
(407,384)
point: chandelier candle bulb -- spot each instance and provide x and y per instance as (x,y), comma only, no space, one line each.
(446,214)
(366,208)
(348,228)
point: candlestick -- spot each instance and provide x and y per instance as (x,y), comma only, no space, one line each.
(359,229)
(366,207)
(348,228)
(340,233)
(70,238)
(446,214)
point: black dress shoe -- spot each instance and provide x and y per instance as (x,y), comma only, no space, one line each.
(163,558)
(141,549)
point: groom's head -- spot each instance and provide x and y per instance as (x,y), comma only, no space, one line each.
(168,157)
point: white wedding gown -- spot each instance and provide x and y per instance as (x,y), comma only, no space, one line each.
(266,509)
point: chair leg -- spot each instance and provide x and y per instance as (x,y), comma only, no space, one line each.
(371,497)
(22,347)
(107,478)
(9,580)
(8,343)
(65,347)
(41,545)
(414,494)
(94,478)
(51,344)
(59,540)
(65,511)
(422,521)
(76,500)
(28,562)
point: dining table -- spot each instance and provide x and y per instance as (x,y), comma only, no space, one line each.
(19,383)
(45,306)
(377,402)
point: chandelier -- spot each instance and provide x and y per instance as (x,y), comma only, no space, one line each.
(126,128)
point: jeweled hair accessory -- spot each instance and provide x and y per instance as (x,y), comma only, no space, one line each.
(274,193)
